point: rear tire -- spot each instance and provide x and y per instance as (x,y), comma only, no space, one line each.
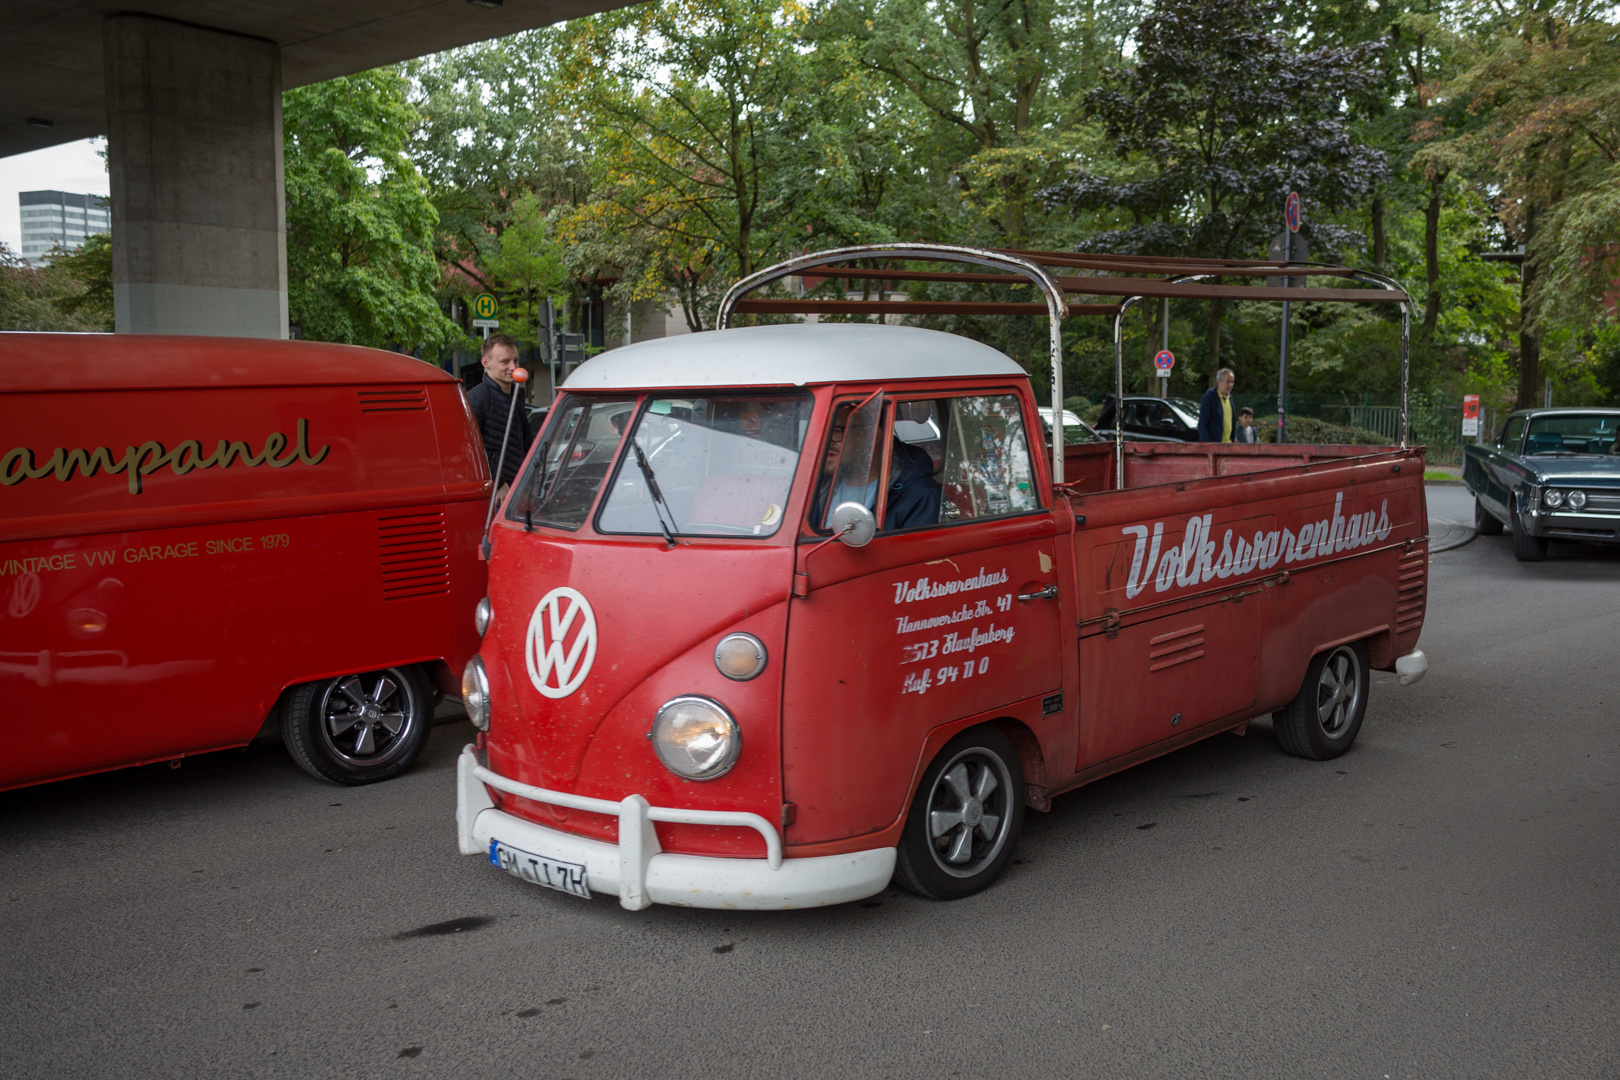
(1527,548)
(358,729)
(1485,522)
(1324,718)
(965,819)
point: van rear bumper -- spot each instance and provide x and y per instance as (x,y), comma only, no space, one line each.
(641,874)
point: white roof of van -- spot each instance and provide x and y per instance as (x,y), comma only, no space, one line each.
(797,354)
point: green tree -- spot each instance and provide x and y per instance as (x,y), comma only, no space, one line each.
(1544,85)
(1218,120)
(690,108)
(49,297)
(360,226)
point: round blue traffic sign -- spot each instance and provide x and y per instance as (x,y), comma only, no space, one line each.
(1291,211)
(1165,361)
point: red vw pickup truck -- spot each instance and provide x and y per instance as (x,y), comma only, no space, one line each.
(778,613)
(202,538)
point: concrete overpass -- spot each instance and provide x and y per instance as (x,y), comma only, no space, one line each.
(188,94)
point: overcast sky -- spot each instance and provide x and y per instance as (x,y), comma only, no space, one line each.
(74,167)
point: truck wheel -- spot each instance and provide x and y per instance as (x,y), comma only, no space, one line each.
(965,819)
(358,729)
(1324,717)
(1527,548)
(1485,522)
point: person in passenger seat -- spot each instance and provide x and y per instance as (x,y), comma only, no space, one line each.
(914,494)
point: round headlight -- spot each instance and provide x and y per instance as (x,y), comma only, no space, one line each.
(696,738)
(481,616)
(1576,499)
(475,693)
(1553,498)
(740,656)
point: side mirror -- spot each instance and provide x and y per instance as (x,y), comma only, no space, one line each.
(854,524)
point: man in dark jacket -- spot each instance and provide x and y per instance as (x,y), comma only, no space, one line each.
(1215,419)
(492,401)
(914,494)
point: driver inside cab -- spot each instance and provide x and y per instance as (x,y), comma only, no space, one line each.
(914,495)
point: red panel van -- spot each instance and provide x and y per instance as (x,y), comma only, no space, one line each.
(201,538)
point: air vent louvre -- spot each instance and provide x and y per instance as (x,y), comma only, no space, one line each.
(394,399)
(1411,597)
(415,554)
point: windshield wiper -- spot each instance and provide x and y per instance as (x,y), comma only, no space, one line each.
(659,506)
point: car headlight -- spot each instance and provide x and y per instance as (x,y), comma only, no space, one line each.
(696,738)
(475,693)
(481,616)
(1552,498)
(740,656)
(1575,499)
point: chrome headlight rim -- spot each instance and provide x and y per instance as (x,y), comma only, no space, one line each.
(728,758)
(481,616)
(1575,500)
(1552,498)
(475,692)
(761,660)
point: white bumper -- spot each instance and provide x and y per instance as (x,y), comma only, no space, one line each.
(641,874)
(1411,667)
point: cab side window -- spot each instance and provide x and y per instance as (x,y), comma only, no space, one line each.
(1510,435)
(986,470)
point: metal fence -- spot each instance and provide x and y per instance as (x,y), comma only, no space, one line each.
(1435,420)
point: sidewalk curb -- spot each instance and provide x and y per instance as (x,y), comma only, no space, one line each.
(1445,536)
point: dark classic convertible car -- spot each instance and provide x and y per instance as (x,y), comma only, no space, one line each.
(1551,474)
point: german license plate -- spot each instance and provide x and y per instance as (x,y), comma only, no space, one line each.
(552,873)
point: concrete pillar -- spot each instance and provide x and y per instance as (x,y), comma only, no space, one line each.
(194,155)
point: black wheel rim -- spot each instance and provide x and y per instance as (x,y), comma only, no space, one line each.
(366,719)
(969,812)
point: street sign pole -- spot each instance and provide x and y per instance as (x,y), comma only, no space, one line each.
(1164,362)
(1291,218)
(1164,344)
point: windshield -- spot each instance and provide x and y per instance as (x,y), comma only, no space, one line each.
(576,449)
(717,465)
(1578,433)
(1187,410)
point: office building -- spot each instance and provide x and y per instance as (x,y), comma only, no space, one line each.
(53,219)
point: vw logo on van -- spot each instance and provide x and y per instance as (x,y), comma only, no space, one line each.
(557,662)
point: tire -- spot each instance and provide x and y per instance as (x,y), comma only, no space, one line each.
(977,781)
(1527,548)
(1324,718)
(358,729)
(1485,522)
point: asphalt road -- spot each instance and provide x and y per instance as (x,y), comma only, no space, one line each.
(1444,901)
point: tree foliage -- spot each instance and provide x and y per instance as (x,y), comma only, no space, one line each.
(360,263)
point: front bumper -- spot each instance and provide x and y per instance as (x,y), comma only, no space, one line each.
(1597,527)
(641,873)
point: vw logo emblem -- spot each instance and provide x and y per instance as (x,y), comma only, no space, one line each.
(561,643)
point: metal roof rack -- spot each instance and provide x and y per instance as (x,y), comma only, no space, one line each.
(1125,279)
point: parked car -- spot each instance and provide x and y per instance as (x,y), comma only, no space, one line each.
(206,538)
(1075,430)
(1154,419)
(1550,474)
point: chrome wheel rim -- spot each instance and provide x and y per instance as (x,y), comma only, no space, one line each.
(365,719)
(969,813)
(1338,692)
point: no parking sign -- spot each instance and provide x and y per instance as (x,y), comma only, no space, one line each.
(1164,362)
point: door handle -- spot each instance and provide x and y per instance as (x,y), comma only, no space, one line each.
(1044,594)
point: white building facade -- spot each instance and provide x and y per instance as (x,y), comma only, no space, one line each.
(52,219)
